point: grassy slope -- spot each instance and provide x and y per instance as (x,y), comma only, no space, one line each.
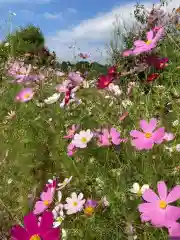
(32,149)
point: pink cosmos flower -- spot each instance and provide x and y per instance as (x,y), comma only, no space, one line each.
(71,149)
(44,203)
(71,131)
(142,46)
(19,71)
(25,95)
(107,138)
(33,230)
(63,87)
(126,53)
(75,78)
(157,209)
(168,136)
(149,136)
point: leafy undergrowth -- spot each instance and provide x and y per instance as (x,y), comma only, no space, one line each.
(33,150)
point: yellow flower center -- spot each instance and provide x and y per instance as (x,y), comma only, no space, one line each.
(162,204)
(89,210)
(46,202)
(35,237)
(84,140)
(148,135)
(27,95)
(75,204)
(139,193)
(149,42)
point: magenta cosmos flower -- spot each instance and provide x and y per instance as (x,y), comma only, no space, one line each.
(33,231)
(157,209)
(149,136)
(109,137)
(142,46)
(25,95)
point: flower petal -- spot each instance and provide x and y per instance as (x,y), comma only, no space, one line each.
(150,35)
(74,196)
(150,196)
(18,232)
(139,43)
(162,190)
(143,143)
(54,234)
(172,213)
(39,207)
(144,188)
(135,188)
(146,208)
(46,221)
(136,134)
(80,196)
(148,127)
(173,195)
(31,224)
(158,135)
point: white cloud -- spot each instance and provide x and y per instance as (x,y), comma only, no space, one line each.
(94,33)
(53,15)
(72,10)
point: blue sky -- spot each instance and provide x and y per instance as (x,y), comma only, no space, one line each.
(85,24)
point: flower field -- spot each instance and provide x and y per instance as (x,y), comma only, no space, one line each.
(93,156)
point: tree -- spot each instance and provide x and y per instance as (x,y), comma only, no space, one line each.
(29,39)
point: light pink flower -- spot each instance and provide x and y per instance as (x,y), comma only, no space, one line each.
(71,131)
(126,53)
(142,46)
(107,138)
(63,87)
(44,203)
(168,136)
(157,209)
(149,136)
(25,95)
(71,150)
(75,203)
(19,71)
(75,78)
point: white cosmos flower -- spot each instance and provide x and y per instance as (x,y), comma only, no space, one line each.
(75,203)
(10,115)
(105,202)
(175,123)
(139,190)
(126,103)
(80,140)
(64,183)
(52,99)
(178,147)
(58,212)
(114,89)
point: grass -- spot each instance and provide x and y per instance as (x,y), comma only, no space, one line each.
(32,150)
